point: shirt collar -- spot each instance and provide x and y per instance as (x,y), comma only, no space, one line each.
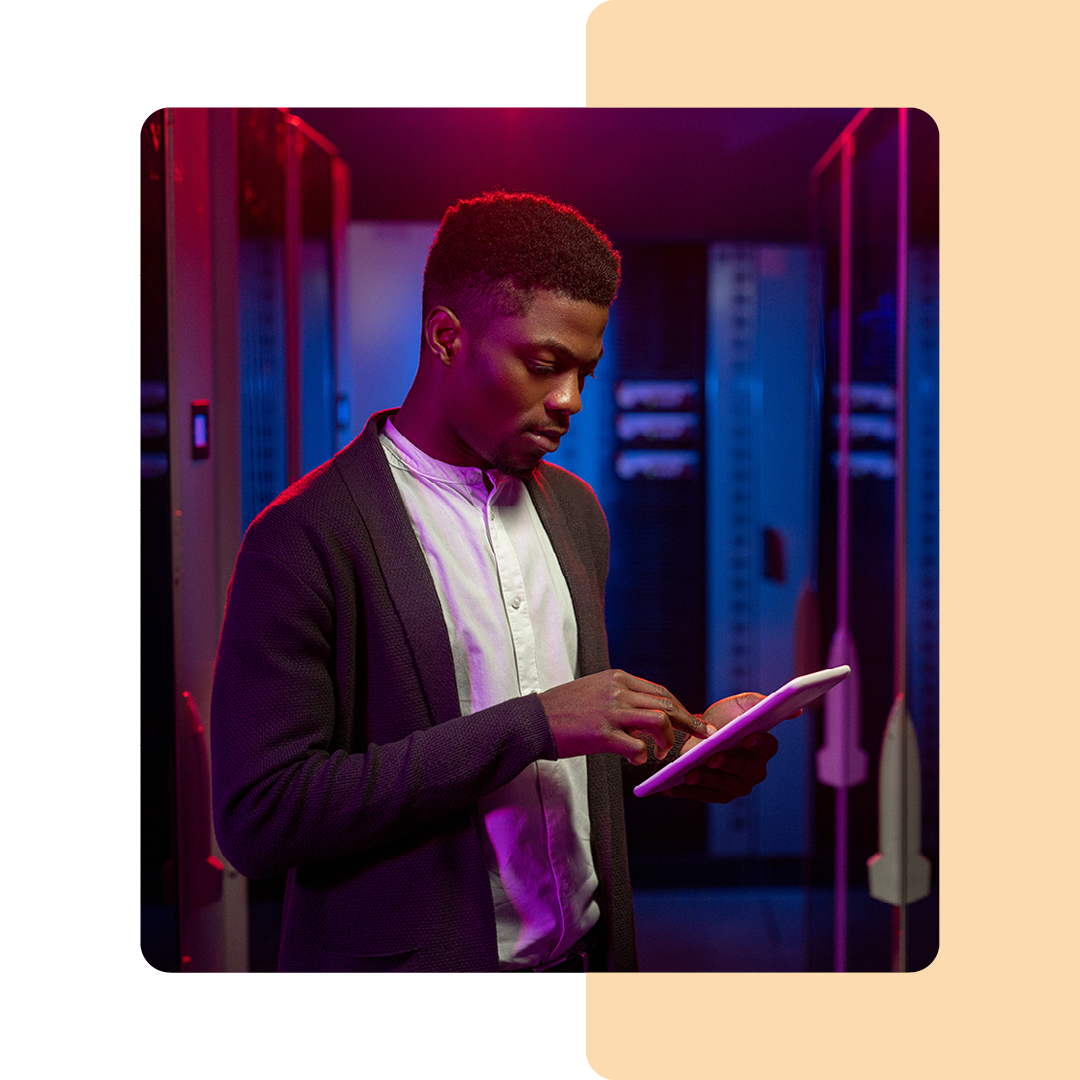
(428,468)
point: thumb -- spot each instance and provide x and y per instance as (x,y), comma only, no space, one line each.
(727,709)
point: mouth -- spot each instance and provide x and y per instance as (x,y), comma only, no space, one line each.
(547,438)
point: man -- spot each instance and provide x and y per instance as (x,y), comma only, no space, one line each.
(413,709)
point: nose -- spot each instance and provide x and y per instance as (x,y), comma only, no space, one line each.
(565,395)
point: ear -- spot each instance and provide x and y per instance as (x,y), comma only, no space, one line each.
(443,334)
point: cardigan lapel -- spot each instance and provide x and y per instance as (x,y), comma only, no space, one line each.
(584,593)
(603,771)
(367,475)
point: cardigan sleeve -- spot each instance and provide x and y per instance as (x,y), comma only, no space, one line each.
(297,777)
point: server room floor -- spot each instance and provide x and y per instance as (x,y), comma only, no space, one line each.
(772,929)
(690,929)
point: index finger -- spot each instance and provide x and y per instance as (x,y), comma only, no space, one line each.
(687,721)
(680,717)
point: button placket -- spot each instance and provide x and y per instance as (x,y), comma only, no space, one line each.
(515,604)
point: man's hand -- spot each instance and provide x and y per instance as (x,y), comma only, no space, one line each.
(730,773)
(614,712)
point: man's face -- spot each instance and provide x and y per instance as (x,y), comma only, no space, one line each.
(515,387)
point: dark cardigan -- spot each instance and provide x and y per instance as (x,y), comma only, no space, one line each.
(338,752)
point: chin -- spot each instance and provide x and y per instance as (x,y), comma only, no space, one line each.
(516,468)
(514,464)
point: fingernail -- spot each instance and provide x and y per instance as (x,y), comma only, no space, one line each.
(751,742)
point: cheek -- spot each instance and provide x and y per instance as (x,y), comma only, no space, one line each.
(492,415)
(507,401)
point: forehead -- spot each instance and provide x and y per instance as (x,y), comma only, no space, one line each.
(554,321)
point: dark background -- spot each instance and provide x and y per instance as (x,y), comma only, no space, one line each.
(664,184)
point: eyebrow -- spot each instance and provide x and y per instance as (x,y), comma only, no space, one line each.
(568,356)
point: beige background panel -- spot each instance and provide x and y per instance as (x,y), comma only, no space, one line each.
(999,998)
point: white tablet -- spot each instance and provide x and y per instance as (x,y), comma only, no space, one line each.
(766,714)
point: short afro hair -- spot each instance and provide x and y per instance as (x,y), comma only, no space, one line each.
(493,252)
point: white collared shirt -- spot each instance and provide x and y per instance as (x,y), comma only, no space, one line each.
(512,632)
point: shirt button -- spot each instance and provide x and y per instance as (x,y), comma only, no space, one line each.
(516,603)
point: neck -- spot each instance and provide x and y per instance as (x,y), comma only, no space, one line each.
(421,421)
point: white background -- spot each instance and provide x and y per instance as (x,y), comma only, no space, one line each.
(79,80)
